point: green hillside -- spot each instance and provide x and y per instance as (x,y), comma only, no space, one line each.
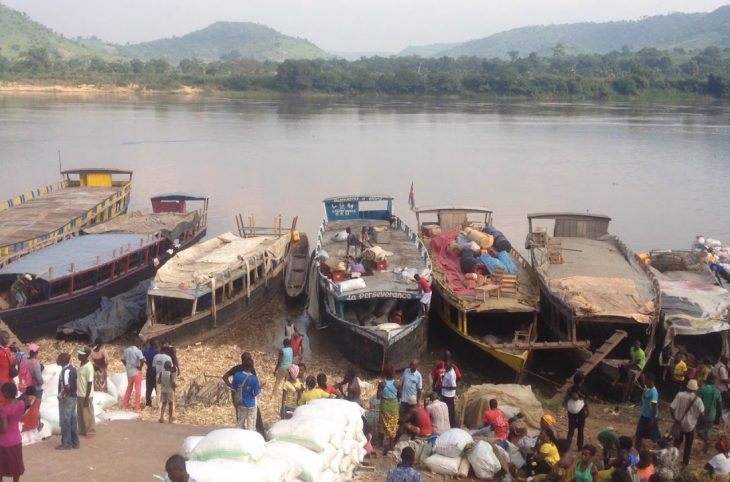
(227,40)
(19,33)
(678,30)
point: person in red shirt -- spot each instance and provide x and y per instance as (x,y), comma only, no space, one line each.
(297,345)
(494,422)
(322,383)
(31,419)
(8,362)
(416,423)
(426,288)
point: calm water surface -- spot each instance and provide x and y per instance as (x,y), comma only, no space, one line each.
(660,171)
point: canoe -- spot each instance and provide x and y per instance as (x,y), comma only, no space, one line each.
(297,265)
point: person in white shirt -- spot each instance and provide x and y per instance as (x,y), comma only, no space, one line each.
(720,463)
(448,392)
(439,413)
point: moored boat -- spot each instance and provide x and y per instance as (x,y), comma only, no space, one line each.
(493,313)
(372,306)
(65,281)
(215,284)
(52,213)
(592,287)
(297,266)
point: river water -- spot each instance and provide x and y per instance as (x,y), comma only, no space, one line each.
(660,171)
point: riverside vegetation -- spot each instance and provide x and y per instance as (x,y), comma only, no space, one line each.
(621,73)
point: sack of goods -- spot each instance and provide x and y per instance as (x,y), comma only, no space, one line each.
(483,460)
(484,240)
(323,441)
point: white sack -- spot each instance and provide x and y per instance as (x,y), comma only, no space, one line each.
(484,461)
(120,381)
(278,470)
(452,442)
(308,462)
(188,445)
(113,415)
(224,470)
(230,443)
(104,400)
(351,285)
(443,465)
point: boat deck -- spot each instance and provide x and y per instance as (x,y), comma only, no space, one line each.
(49,212)
(596,279)
(405,255)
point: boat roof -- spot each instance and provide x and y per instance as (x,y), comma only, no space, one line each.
(90,170)
(84,252)
(358,197)
(190,272)
(438,208)
(179,196)
(406,252)
(553,215)
(598,278)
(145,223)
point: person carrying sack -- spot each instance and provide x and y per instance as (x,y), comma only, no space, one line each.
(686,409)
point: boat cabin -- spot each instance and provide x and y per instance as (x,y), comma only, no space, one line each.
(433,220)
(74,267)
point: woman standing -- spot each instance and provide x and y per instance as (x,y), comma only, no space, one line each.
(577,407)
(389,408)
(100,362)
(11,447)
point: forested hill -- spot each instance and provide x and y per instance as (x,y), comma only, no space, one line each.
(227,40)
(675,31)
(18,34)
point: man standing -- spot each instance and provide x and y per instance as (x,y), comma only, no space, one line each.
(352,243)
(439,414)
(712,400)
(151,376)
(638,356)
(67,386)
(426,288)
(85,394)
(133,360)
(679,376)
(721,379)
(648,426)
(8,361)
(686,409)
(448,391)
(411,387)
(437,373)
(247,387)
(158,366)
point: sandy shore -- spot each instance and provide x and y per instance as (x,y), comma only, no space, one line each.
(91,89)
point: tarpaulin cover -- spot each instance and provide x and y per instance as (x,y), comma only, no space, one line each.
(169,225)
(476,401)
(448,264)
(115,316)
(694,307)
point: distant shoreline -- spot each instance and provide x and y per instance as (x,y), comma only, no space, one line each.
(93,89)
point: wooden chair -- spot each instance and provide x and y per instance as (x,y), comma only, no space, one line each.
(487,289)
(555,251)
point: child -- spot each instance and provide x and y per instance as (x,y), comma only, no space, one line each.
(585,470)
(609,441)
(31,419)
(167,384)
(297,345)
(666,459)
(645,467)
(627,445)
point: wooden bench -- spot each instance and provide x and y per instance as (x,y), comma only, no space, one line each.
(487,290)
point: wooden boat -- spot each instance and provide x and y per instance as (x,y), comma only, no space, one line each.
(694,304)
(221,281)
(494,318)
(592,286)
(297,266)
(359,316)
(65,281)
(47,215)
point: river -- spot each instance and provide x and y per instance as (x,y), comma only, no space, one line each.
(660,171)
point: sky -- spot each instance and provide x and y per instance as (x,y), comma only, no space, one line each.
(337,25)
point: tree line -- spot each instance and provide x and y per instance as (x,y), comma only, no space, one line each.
(588,76)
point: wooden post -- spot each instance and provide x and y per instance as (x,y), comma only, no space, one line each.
(213,312)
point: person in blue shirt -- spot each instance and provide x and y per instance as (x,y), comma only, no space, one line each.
(648,426)
(246,387)
(151,375)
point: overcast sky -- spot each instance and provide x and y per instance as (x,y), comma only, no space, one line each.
(337,25)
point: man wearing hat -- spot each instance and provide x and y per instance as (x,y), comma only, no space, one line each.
(85,394)
(686,410)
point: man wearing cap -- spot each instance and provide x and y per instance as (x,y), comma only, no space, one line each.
(686,409)
(85,394)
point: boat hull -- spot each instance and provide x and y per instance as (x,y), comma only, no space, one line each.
(42,319)
(366,350)
(202,325)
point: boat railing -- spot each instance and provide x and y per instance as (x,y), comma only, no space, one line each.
(107,209)
(6,260)
(30,195)
(69,268)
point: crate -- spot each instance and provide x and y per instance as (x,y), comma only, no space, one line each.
(339,275)
(382,265)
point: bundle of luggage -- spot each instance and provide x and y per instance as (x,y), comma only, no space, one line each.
(483,252)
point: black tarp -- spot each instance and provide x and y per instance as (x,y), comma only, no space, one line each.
(114,317)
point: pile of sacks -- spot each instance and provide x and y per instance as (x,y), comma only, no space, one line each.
(483,252)
(322,442)
(103,401)
(454,453)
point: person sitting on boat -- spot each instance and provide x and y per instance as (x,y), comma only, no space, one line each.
(312,392)
(637,361)
(426,288)
(286,358)
(363,240)
(352,242)
(353,393)
(20,290)
(355,266)
(493,421)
